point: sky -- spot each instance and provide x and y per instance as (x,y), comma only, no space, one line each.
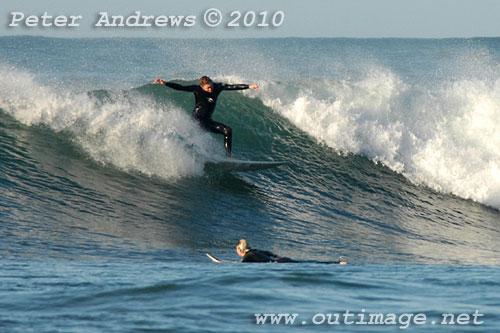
(254,19)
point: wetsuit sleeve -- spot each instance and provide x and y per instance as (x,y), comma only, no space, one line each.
(234,86)
(180,87)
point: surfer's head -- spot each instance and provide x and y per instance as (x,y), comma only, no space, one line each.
(242,247)
(206,84)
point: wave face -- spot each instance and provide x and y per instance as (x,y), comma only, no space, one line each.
(123,129)
(388,141)
(446,137)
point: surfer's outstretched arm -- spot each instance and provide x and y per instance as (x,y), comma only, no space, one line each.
(239,86)
(175,85)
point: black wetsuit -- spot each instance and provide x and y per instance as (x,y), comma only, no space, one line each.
(266,256)
(263,256)
(205,106)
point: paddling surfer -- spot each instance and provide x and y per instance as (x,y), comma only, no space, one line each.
(205,95)
(253,255)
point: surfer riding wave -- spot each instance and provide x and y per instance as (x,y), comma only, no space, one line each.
(205,95)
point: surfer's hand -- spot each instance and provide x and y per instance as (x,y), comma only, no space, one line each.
(254,86)
(160,81)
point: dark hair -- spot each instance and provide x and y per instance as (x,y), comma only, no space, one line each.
(205,80)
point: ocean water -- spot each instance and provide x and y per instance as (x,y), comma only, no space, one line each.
(106,210)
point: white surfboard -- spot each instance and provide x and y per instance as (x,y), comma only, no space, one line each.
(231,164)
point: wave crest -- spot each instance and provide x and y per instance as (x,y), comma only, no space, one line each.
(446,137)
(127,130)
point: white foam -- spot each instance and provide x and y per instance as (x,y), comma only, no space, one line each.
(131,133)
(446,138)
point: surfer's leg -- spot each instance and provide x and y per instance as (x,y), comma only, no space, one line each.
(228,137)
(285,259)
(225,130)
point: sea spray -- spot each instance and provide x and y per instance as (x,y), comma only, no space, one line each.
(128,131)
(428,109)
(446,137)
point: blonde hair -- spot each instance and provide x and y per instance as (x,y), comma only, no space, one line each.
(243,246)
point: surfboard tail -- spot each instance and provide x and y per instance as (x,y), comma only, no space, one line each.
(231,164)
